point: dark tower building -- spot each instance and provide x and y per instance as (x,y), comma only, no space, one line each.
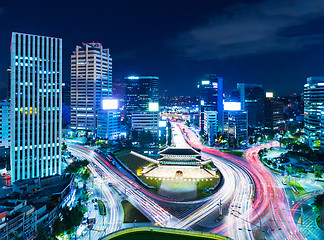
(273,116)
(66,104)
(252,101)
(139,91)
(118,89)
(211,98)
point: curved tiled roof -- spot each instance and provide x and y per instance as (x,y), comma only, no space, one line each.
(179,151)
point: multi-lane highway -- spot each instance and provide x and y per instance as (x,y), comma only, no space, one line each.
(250,202)
(270,208)
(128,188)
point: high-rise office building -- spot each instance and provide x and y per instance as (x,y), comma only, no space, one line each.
(313,108)
(139,91)
(91,83)
(273,116)
(36,100)
(108,124)
(211,98)
(66,104)
(236,124)
(252,101)
(210,126)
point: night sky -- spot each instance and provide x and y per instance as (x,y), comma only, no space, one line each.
(278,43)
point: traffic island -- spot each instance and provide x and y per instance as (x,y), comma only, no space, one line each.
(296,187)
(102,208)
(156,233)
(132,214)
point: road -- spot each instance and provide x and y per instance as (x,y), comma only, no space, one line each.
(236,192)
(306,218)
(270,203)
(126,187)
(252,199)
(100,190)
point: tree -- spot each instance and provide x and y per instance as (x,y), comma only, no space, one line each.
(251,141)
(64,146)
(282,168)
(103,144)
(145,138)
(41,233)
(58,227)
(70,220)
(299,169)
(135,136)
(260,153)
(76,166)
(318,168)
(187,123)
(289,170)
(318,174)
(318,204)
(310,169)
(85,174)
(84,195)
(274,164)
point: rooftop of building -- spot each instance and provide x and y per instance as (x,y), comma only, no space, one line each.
(140,77)
(315,79)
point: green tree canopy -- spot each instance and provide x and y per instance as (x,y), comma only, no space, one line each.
(64,146)
(318,204)
(318,174)
(289,170)
(299,169)
(76,166)
(85,174)
(145,138)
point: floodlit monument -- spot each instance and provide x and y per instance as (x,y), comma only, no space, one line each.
(180,171)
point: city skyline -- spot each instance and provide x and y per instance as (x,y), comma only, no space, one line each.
(162,120)
(182,43)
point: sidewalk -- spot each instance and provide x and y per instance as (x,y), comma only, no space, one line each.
(308,227)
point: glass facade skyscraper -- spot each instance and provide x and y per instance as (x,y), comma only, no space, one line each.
(211,98)
(273,116)
(313,108)
(236,124)
(252,101)
(139,91)
(36,100)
